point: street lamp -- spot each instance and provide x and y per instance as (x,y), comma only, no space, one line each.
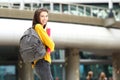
(110,20)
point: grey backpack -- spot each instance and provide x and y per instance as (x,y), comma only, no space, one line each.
(31,47)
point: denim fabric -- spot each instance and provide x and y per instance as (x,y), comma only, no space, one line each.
(43,70)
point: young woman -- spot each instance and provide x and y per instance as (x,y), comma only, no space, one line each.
(42,66)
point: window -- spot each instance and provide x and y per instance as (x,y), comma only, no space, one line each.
(56,7)
(73,10)
(65,8)
(81,10)
(88,11)
(46,5)
(27,6)
(7,72)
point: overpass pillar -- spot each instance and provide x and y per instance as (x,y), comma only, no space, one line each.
(25,71)
(72,64)
(116,66)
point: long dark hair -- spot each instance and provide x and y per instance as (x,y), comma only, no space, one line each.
(36,17)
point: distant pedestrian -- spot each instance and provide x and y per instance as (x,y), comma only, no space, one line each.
(102,76)
(90,76)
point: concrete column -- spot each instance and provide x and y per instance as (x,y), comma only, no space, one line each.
(116,66)
(25,71)
(72,64)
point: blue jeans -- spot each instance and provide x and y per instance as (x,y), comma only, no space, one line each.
(43,70)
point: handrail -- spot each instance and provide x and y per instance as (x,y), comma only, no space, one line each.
(65,8)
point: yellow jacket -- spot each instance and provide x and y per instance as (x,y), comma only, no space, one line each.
(46,40)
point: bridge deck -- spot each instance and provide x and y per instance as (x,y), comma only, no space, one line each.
(13,13)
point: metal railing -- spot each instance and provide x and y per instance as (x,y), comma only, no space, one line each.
(65,8)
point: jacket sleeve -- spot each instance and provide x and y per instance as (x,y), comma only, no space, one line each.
(44,37)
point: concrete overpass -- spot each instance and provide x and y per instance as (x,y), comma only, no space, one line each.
(68,31)
(85,33)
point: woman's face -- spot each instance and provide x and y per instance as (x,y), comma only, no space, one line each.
(43,17)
